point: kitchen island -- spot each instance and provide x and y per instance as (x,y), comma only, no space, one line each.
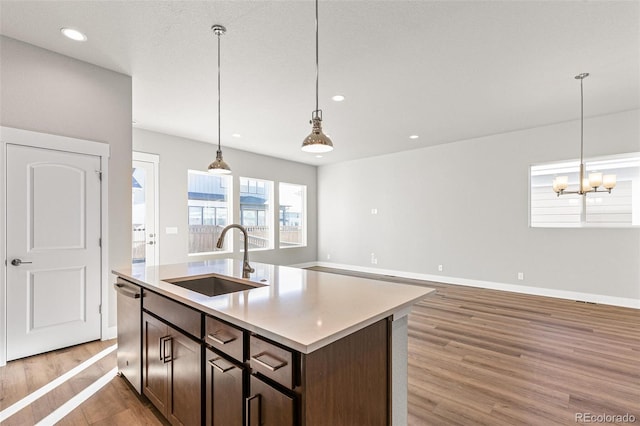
(306,347)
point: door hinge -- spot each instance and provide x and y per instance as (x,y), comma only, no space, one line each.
(99,242)
(100,309)
(99,173)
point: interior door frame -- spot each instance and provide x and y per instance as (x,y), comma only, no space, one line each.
(14,136)
(155,159)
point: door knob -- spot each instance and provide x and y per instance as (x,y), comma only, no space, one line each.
(18,262)
(151,243)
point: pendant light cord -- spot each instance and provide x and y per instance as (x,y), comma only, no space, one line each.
(317,60)
(581,121)
(219,93)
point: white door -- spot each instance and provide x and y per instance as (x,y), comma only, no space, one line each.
(53,249)
(144,204)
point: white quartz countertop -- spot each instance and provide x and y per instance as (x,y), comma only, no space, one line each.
(302,309)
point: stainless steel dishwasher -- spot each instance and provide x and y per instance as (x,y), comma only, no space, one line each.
(129,332)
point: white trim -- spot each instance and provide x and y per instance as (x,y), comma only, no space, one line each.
(3,243)
(10,135)
(625,302)
(155,160)
(104,264)
(305,265)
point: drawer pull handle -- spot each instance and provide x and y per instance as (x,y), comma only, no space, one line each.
(222,369)
(253,414)
(269,362)
(221,339)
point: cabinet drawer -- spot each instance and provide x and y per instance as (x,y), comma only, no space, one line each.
(225,338)
(179,315)
(272,361)
(267,406)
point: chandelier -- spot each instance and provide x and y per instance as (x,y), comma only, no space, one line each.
(595,180)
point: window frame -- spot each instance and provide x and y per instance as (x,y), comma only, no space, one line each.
(227,184)
(303,216)
(568,166)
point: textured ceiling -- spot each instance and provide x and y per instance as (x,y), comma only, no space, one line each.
(446,70)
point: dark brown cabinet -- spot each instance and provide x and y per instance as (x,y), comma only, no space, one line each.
(198,369)
(267,406)
(171,371)
(224,391)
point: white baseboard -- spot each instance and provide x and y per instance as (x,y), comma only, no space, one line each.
(537,291)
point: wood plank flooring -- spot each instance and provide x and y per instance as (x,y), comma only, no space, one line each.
(486,357)
(476,357)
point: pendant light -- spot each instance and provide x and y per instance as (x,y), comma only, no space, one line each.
(317,141)
(219,166)
(595,179)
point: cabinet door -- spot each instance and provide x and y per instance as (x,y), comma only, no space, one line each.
(155,344)
(225,391)
(184,402)
(268,406)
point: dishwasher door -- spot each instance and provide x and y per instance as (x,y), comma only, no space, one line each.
(129,332)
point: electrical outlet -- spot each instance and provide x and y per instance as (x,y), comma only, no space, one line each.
(328,256)
(374,211)
(521,276)
(440,268)
(374,259)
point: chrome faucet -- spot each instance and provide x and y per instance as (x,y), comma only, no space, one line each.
(246,268)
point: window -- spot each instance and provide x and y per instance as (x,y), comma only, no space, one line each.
(256,212)
(620,208)
(208,208)
(292,215)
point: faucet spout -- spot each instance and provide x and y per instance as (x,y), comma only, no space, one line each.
(246,268)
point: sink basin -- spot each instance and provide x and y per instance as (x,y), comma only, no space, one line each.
(211,286)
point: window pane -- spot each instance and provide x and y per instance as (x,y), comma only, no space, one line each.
(256,213)
(208,201)
(621,207)
(292,215)
(195,215)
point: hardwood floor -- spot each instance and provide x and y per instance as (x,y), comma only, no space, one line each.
(476,357)
(113,404)
(486,357)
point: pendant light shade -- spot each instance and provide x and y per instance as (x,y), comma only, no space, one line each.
(317,142)
(219,166)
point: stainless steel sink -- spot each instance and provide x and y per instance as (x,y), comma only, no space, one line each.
(211,285)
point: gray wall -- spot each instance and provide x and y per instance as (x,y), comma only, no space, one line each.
(46,92)
(177,155)
(465,205)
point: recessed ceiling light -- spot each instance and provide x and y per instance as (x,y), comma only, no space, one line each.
(318,156)
(236,135)
(414,137)
(73,34)
(338,98)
